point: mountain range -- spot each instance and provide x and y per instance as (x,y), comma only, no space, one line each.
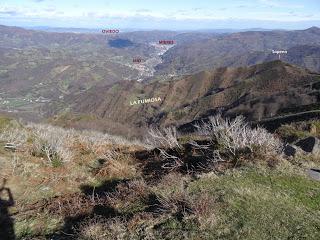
(242,49)
(257,92)
(90,80)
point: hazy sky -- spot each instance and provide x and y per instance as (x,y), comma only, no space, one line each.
(162,14)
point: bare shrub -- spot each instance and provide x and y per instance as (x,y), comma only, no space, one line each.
(207,151)
(15,136)
(93,141)
(235,135)
(51,141)
(163,138)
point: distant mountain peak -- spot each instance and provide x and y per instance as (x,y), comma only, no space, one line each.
(314,27)
(313,30)
(272,64)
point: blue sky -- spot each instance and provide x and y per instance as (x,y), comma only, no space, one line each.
(162,14)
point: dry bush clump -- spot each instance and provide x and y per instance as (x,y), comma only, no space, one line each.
(118,165)
(172,194)
(70,205)
(175,198)
(15,136)
(221,140)
(130,193)
(175,203)
(98,143)
(203,210)
(98,228)
(234,136)
(163,140)
(41,140)
(52,142)
(95,142)
(56,144)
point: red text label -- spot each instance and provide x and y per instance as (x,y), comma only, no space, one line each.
(166,42)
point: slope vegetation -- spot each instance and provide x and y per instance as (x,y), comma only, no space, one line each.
(257,92)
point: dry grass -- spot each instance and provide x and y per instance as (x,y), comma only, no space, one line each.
(203,208)
(52,142)
(117,203)
(51,161)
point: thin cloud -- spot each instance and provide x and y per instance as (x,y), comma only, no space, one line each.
(270,3)
(143,10)
(50,9)
(198,15)
(277,4)
(10,13)
(243,6)
(197,9)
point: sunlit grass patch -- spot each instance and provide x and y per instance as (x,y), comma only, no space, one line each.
(254,204)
